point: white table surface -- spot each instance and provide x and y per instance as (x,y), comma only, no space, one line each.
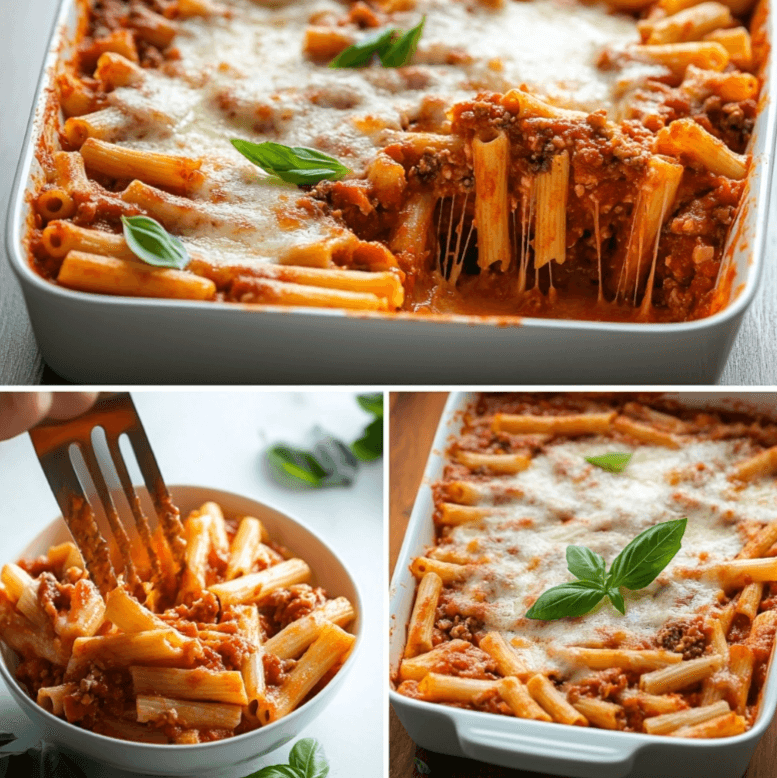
(24,33)
(216,439)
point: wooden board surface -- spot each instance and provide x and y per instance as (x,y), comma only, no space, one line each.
(413,423)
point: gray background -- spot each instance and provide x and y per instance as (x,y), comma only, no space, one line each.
(25,35)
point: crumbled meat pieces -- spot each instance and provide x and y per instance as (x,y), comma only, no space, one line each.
(683,637)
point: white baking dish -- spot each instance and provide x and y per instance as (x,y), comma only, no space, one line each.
(100,339)
(549,747)
(205,758)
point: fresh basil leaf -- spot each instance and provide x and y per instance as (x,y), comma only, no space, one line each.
(360,54)
(328,462)
(614,462)
(308,758)
(568,599)
(585,564)
(294,466)
(647,555)
(616,598)
(277,771)
(295,164)
(401,51)
(372,403)
(369,447)
(151,242)
(335,457)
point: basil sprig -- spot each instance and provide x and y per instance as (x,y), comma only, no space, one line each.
(306,760)
(369,446)
(635,567)
(395,48)
(149,241)
(613,462)
(294,164)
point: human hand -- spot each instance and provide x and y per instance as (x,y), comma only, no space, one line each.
(19,411)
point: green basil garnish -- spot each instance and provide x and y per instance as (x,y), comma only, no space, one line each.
(614,462)
(150,242)
(635,567)
(395,48)
(295,164)
(401,50)
(360,54)
(306,760)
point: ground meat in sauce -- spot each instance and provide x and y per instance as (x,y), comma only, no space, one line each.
(294,603)
(684,637)
(276,669)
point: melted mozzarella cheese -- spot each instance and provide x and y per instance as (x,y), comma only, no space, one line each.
(245,75)
(568,501)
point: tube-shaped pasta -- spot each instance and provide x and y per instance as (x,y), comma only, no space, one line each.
(421,626)
(571,424)
(736,41)
(415,668)
(451,513)
(447,571)
(179,173)
(517,696)
(550,231)
(688,140)
(602,713)
(253,587)
(668,722)
(554,702)
(60,237)
(496,463)
(110,275)
(709,55)
(689,24)
(197,684)
(188,714)
(507,661)
(679,676)
(628,659)
(644,432)
(491,163)
(436,687)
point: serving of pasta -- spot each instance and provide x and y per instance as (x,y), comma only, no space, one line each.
(539,493)
(419,160)
(233,639)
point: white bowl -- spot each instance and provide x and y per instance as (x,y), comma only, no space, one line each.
(153,759)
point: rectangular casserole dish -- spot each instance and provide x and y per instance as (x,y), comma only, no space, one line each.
(99,339)
(550,747)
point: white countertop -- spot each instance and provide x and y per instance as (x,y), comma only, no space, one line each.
(217,439)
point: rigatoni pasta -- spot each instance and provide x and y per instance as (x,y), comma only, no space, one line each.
(688,655)
(185,665)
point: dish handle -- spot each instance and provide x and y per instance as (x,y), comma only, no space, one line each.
(569,751)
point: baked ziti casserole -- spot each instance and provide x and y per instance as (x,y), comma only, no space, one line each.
(544,158)
(600,560)
(192,641)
